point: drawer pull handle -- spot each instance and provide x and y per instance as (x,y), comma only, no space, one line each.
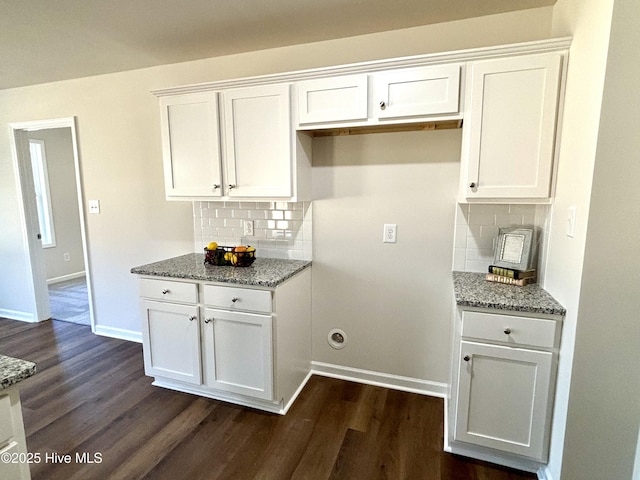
(235,299)
(507,331)
(466,358)
(208,320)
(192,318)
(165,291)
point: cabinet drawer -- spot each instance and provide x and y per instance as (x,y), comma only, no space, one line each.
(168,290)
(232,298)
(510,328)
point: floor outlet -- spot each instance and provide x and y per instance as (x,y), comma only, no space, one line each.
(248,228)
(389,235)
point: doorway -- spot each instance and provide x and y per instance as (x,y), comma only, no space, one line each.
(53,210)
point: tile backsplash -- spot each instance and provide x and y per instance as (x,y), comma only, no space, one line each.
(476,232)
(281,229)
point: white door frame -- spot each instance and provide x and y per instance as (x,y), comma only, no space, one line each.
(29,215)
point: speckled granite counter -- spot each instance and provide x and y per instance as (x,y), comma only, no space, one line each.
(472,290)
(14,370)
(265,272)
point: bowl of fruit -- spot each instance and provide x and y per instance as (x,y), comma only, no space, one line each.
(239,256)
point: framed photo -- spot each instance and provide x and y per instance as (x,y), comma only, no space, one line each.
(514,248)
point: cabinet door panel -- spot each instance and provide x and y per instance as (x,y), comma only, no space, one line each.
(171,339)
(257,138)
(190,144)
(238,353)
(332,99)
(503,397)
(417,91)
(510,126)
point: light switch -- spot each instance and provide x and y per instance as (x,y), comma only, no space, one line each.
(94,206)
(571,221)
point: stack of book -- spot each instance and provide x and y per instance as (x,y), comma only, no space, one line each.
(511,276)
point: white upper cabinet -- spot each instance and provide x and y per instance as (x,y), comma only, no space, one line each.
(390,97)
(335,99)
(509,130)
(237,143)
(415,92)
(257,141)
(190,145)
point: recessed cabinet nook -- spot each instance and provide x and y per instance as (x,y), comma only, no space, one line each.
(251,139)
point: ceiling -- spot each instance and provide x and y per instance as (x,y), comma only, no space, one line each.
(44,40)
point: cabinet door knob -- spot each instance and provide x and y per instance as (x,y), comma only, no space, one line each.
(231,187)
(165,291)
(216,186)
(507,331)
(208,320)
(235,299)
(383,105)
(192,318)
(466,358)
(472,185)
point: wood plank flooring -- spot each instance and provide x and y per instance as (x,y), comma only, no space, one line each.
(90,397)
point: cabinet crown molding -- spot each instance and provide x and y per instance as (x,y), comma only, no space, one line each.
(439,58)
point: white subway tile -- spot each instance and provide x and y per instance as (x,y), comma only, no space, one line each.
(258,214)
(239,213)
(481,219)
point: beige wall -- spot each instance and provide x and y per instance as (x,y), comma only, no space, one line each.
(390,299)
(588,21)
(604,399)
(119,143)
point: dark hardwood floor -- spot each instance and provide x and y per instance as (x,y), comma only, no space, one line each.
(90,397)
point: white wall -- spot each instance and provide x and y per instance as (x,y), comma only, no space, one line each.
(392,300)
(604,400)
(119,144)
(588,21)
(64,203)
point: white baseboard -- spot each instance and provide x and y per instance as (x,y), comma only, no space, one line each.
(17,315)
(544,474)
(121,333)
(387,380)
(64,278)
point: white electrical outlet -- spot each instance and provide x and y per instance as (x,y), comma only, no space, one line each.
(94,206)
(389,235)
(248,228)
(67,257)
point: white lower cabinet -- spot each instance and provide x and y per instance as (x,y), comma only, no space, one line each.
(238,353)
(171,335)
(13,445)
(503,395)
(503,378)
(250,346)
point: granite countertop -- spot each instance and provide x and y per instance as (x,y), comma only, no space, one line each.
(14,370)
(472,290)
(264,272)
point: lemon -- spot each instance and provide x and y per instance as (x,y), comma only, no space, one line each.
(212,246)
(251,249)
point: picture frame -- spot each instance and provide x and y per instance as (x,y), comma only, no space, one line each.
(515,247)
